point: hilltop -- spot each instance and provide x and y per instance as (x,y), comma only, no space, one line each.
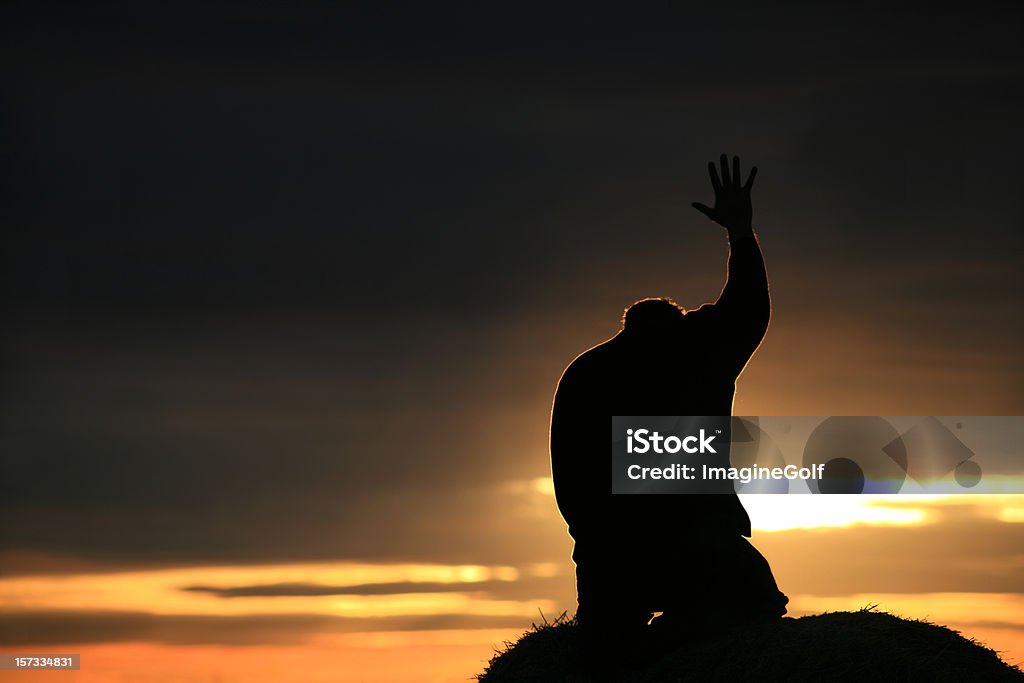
(839,646)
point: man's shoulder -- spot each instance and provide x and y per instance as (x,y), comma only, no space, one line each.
(592,360)
(595,355)
(702,312)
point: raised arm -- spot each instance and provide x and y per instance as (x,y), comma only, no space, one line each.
(743,308)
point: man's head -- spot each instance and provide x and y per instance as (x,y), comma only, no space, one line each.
(651,316)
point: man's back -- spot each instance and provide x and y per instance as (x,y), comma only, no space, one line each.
(664,362)
(686,371)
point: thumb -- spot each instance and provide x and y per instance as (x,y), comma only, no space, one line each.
(704,209)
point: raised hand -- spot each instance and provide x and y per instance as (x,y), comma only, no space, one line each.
(732,208)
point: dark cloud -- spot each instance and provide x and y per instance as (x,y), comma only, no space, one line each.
(287,284)
(997,624)
(400,523)
(293,589)
(501,590)
(68,627)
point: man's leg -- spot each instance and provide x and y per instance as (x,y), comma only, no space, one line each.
(611,618)
(718,584)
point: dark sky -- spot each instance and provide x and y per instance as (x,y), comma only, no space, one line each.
(276,279)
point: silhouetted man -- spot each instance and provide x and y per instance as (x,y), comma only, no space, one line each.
(685,554)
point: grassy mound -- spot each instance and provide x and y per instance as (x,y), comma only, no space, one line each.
(838,646)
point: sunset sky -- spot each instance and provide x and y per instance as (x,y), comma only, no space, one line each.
(287,293)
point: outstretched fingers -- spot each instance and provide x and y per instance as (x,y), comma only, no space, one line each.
(730,178)
(732,208)
(704,209)
(750,179)
(715,182)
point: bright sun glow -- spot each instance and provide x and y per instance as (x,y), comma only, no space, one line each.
(780,513)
